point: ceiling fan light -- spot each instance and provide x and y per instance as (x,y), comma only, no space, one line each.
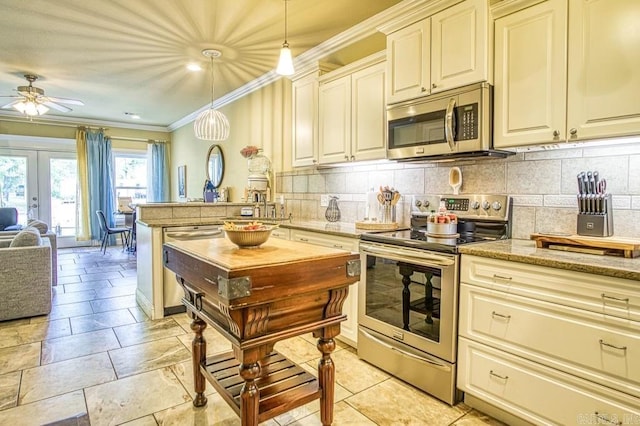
(285,64)
(41,109)
(20,106)
(211,125)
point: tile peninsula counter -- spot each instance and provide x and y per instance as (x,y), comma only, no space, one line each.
(155,218)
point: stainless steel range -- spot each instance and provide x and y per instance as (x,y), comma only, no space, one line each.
(408,297)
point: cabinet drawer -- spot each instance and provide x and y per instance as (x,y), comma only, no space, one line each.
(332,241)
(571,340)
(527,389)
(615,297)
(280,233)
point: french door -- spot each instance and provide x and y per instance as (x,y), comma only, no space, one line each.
(42,185)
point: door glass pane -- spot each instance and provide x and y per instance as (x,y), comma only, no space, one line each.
(13,182)
(64,181)
(131,178)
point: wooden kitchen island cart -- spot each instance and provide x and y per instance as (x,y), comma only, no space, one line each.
(256,297)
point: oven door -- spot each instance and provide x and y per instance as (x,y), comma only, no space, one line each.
(410,296)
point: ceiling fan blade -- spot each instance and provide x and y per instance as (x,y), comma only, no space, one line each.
(11,96)
(65,101)
(56,106)
(10,104)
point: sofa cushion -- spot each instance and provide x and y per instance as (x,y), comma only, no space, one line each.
(39,225)
(26,238)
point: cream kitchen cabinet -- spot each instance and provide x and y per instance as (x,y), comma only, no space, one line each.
(604,83)
(281,233)
(349,328)
(352,112)
(532,333)
(304,92)
(446,50)
(565,73)
(408,59)
(531,75)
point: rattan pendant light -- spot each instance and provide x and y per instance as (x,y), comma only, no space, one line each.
(211,125)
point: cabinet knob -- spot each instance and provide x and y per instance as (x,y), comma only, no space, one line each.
(315,161)
(353,158)
(346,157)
(556,133)
(433,85)
(424,89)
(573,131)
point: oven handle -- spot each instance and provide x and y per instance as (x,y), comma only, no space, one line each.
(423,258)
(449,124)
(431,362)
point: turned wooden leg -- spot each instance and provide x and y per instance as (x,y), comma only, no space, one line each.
(250,394)
(198,357)
(326,379)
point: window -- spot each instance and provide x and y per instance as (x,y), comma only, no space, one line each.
(130,176)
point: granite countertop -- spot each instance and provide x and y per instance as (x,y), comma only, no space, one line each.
(525,251)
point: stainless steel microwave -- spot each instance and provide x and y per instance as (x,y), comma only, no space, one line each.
(448,125)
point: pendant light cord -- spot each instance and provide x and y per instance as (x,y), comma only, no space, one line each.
(285,23)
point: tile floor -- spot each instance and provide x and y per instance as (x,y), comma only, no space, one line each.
(97,359)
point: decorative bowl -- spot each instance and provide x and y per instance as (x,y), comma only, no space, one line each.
(249,238)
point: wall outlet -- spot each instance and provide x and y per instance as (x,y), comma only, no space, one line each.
(324,200)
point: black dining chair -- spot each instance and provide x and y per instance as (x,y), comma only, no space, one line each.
(107,232)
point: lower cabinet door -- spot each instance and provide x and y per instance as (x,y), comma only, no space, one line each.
(539,394)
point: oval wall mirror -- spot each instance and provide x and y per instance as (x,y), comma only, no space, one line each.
(215,165)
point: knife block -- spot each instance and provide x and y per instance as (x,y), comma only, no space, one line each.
(597,224)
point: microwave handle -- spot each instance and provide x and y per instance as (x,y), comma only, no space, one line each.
(449,124)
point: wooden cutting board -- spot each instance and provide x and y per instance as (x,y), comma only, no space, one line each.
(613,246)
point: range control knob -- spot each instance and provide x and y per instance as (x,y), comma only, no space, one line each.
(418,203)
(496,205)
(425,204)
(485,205)
(475,205)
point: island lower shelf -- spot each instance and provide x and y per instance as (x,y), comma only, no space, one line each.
(283,385)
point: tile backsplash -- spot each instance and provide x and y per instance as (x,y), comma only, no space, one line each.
(542,184)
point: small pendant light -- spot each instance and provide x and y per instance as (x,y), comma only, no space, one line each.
(285,64)
(211,125)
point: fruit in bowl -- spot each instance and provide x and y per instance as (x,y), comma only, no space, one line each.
(252,234)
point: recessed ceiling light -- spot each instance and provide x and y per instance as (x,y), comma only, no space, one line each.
(194,67)
(132,115)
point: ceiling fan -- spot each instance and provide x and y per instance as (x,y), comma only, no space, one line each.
(32,101)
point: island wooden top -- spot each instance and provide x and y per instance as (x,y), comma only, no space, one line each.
(226,255)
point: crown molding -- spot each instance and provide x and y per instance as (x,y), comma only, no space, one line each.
(77,121)
(309,59)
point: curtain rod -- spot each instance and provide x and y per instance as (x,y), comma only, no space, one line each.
(125,138)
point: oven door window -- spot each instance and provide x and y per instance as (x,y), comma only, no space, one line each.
(422,129)
(404,295)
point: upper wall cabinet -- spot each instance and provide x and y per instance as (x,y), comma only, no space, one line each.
(304,91)
(352,121)
(566,73)
(408,59)
(530,75)
(446,50)
(604,64)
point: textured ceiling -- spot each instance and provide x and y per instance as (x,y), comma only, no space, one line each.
(130,55)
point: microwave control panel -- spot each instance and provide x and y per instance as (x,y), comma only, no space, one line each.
(467,124)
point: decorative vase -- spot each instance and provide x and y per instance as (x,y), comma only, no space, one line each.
(333,211)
